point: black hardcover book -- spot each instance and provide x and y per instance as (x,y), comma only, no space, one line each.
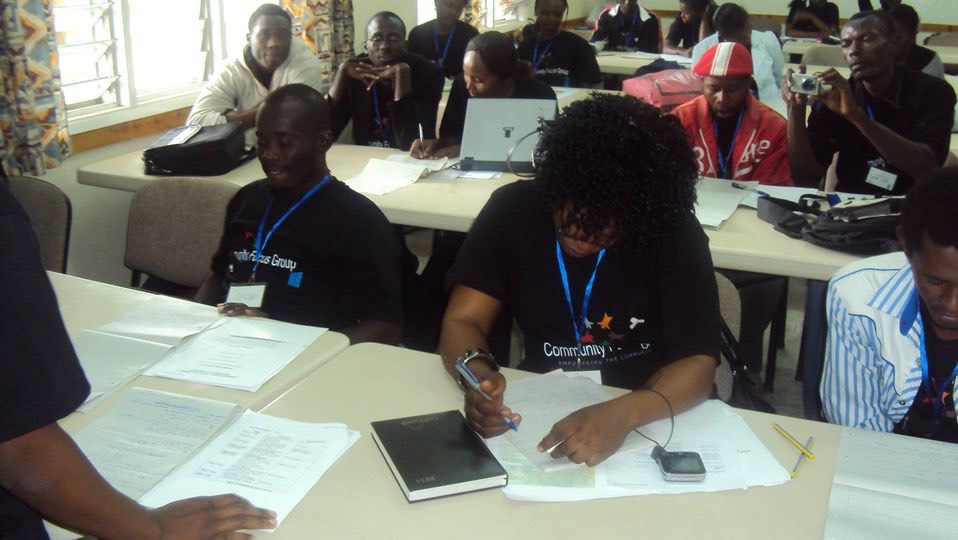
(434,455)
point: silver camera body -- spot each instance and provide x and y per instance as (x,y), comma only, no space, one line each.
(806,84)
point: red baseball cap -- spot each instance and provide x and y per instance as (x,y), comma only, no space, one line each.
(726,59)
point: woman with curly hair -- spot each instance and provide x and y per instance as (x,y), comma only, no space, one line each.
(605,268)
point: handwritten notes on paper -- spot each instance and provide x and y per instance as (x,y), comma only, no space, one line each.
(272,462)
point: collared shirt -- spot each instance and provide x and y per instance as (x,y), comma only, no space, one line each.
(873,359)
(916,106)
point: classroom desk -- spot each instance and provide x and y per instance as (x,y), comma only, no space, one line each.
(358,497)
(949,55)
(620,63)
(742,243)
(87,304)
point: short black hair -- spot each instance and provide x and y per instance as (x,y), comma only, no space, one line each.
(316,108)
(906,16)
(564,3)
(729,18)
(269,10)
(931,211)
(882,18)
(388,15)
(618,161)
(697,5)
(497,51)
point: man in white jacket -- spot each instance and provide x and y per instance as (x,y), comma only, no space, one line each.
(271,59)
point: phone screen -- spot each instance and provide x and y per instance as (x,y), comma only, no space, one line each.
(682,463)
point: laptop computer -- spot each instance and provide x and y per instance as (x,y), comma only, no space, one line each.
(494,127)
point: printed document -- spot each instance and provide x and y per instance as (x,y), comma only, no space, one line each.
(147,434)
(241,353)
(892,486)
(717,201)
(110,361)
(380,176)
(163,320)
(272,462)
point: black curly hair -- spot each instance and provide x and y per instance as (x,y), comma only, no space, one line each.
(618,161)
(929,211)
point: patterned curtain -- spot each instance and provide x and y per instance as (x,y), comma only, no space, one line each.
(327,28)
(33,122)
(474,12)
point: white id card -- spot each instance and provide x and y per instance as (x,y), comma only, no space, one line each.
(880,178)
(249,294)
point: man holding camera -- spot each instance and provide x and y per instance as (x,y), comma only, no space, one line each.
(888,124)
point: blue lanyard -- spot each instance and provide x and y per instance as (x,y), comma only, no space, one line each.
(260,244)
(871,114)
(379,118)
(585,296)
(536,59)
(445,51)
(926,378)
(724,168)
(628,37)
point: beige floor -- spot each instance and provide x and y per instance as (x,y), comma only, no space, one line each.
(787,397)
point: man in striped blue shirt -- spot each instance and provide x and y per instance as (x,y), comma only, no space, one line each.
(893,325)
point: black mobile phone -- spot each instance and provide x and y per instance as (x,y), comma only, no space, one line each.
(679,466)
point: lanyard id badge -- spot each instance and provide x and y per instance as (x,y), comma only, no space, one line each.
(250,294)
(877,175)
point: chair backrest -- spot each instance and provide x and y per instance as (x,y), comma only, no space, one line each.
(50,215)
(175,227)
(946,39)
(730,305)
(824,55)
(766,24)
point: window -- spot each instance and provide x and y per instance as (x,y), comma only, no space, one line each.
(506,13)
(126,59)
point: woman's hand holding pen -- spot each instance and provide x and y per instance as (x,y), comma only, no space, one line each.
(486,416)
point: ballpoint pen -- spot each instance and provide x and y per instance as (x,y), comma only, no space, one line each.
(473,382)
(759,192)
(421,138)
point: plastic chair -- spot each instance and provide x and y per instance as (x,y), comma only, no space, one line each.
(766,24)
(50,215)
(175,226)
(824,55)
(946,39)
(730,305)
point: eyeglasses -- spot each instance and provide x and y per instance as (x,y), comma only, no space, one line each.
(391,39)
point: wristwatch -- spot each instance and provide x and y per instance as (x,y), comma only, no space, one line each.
(467,357)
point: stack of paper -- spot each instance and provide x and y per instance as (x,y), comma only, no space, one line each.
(892,486)
(148,434)
(241,353)
(717,201)
(271,462)
(381,176)
(163,320)
(433,165)
(734,458)
(677,58)
(110,361)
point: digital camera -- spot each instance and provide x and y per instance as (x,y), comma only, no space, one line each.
(806,84)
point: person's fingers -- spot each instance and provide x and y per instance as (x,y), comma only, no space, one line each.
(559,433)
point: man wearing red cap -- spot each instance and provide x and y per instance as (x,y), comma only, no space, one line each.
(732,134)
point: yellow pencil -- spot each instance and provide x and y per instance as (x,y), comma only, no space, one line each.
(801,457)
(792,440)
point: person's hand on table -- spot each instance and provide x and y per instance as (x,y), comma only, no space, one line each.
(210,517)
(589,435)
(429,149)
(485,416)
(236,309)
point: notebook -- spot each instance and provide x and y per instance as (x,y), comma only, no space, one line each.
(496,127)
(436,455)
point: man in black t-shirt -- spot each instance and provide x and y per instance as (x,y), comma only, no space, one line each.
(685,30)
(624,28)
(604,267)
(443,40)
(557,57)
(389,94)
(888,124)
(42,472)
(816,18)
(911,54)
(303,245)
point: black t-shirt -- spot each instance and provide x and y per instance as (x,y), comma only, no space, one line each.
(919,57)
(566,60)
(400,119)
(827,13)
(649,307)
(917,106)
(41,380)
(628,32)
(332,263)
(920,420)
(454,117)
(422,41)
(682,35)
